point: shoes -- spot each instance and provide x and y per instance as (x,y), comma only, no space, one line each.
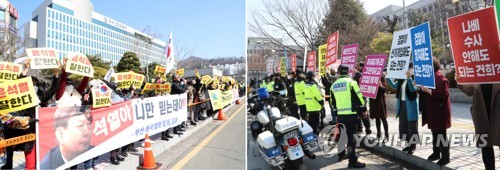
(124,154)
(341,157)
(406,149)
(132,149)
(178,132)
(434,156)
(169,136)
(357,165)
(120,158)
(114,161)
(193,123)
(368,132)
(443,161)
(165,138)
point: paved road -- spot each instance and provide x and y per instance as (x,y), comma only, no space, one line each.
(373,161)
(216,146)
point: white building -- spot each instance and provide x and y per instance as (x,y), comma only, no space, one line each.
(8,18)
(73,25)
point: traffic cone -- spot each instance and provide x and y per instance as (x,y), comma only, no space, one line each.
(221,115)
(149,158)
(237,101)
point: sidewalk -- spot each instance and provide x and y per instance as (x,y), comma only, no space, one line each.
(461,156)
(132,160)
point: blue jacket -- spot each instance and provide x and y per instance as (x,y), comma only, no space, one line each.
(411,105)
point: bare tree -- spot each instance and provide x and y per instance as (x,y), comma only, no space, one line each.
(297,20)
(142,46)
(183,53)
(391,23)
(13,45)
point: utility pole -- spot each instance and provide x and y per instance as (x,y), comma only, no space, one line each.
(405,19)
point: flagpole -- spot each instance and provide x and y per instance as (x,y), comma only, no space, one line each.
(305,57)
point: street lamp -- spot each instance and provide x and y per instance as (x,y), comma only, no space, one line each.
(456,2)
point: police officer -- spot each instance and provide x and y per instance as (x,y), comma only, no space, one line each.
(292,102)
(362,121)
(279,84)
(299,87)
(314,100)
(346,99)
(270,84)
(262,82)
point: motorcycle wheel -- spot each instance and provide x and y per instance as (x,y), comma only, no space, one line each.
(297,164)
(256,129)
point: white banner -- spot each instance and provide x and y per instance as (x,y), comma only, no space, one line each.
(399,58)
(270,66)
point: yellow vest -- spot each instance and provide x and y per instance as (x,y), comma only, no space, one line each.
(312,96)
(341,90)
(263,84)
(299,92)
(270,86)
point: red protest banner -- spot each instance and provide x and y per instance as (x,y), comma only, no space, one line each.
(311,61)
(474,45)
(294,61)
(332,46)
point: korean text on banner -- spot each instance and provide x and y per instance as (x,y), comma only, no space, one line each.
(283,67)
(333,43)
(124,80)
(43,58)
(294,61)
(220,99)
(372,71)
(79,64)
(474,45)
(138,80)
(9,71)
(422,55)
(322,59)
(206,79)
(17,95)
(270,66)
(311,61)
(399,58)
(180,72)
(349,54)
(148,88)
(159,70)
(103,129)
(101,96)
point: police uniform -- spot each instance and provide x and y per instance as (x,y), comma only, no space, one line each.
(270,86)
(346,99)
(263,84)
(299,87)
(314,103)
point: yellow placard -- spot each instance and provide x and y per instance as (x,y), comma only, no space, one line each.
(43,58)
(322,59)
(138,80)
(220,99)
(79,64)
(180,72)
(9,71)
(16,95)
(159,70)
(206,79)
(124,80)
(197,73)
(283,67)
(17,140)
(149,87)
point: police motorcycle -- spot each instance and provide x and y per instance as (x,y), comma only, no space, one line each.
(282,140)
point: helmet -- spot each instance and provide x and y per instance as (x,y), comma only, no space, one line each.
(343,70)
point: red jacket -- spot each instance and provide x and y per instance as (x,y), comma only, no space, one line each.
(436,108)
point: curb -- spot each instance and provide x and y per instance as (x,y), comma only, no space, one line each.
(160,146)
(400,155)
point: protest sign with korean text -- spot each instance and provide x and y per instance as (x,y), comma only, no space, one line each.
(270,66)
(349,54)
(124,80)
(159,70)
(332,46)
(294,61)
(9,71)
(322,59)
(372,71)
(180,72)
(220,99)
(102,130)
(283,67)
(311,61)
(399,58)
(101,96)
(148,87)
(16,95)
(422,56)
(43,58)
(78,63)
(474,45)
(138,80)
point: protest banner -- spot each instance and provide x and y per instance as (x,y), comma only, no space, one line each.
(43,58)
(422,56)
(294,62)
(180,72)
(159,70)
(399,58)
(220,99)
(197,73)
(148,87)
(372,71)
(9,71)
(167,87)
(79,64)
(283,67)
(138,80)
(102,130)
(16,95)
(311,61)
(332,46)
(336,65)
(206,79)
(474,46)
(349,54)
(322,59)
(101,96)
(17,140)
(124,80)
(270,66)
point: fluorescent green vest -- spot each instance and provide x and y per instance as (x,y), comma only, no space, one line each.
(312,96)
(270,86)
(341,90)
(263,84)
(299,92)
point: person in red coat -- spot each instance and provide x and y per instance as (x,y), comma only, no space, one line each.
(378,109)
(436,110)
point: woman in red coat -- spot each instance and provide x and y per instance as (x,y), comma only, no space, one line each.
(378,109)
(435,106)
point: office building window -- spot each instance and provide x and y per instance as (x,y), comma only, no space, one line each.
(424,9)
(430,8)
(13,21)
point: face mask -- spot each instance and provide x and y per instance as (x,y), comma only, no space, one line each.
(36,88)
(289,77)
(69,88)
